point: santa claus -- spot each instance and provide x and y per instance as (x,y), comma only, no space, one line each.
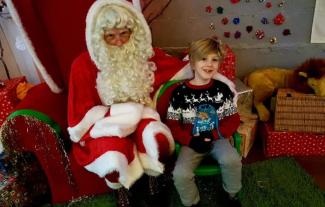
(116,132)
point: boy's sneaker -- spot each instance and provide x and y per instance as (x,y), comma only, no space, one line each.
(233,201)
(196,205)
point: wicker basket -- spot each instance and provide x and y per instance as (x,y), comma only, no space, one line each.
(299,112)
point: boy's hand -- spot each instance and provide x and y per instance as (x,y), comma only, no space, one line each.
(202,143)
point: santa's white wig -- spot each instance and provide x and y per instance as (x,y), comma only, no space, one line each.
(124,71)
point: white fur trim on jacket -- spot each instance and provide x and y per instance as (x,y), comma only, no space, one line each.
(137,5)
(123,120)
(113,186)
(47,78)
(150,165)
(116,161)
(149,160)
(92,15)
(94,114)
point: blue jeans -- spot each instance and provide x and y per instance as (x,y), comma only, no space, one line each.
(187,161)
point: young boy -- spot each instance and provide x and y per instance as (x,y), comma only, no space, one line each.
(202,116)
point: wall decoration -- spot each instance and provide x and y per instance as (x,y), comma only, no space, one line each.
(236,20)
(225,20)
(268,5)
(208,9)
(273,40)
(286,32)
(265,30)
(264,20)
(281,4)
(249,29)
(237,34)
(226,34)
(259,34)
(234,1)
(220,10)
(212,26)
(279,19)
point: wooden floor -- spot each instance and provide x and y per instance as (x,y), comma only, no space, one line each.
(314,165)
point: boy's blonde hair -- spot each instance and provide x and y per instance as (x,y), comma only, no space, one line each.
(203,47)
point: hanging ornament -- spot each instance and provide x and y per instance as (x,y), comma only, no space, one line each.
(237,34)
(259,34)
(236,20)
(273,40)
(249,28)
(281,4)
(264,20)
(234,1)
(226,34)
(279,19)
(268,5)
(212,26)
(220,10)
(261,1)
(208,9)
(225,20)
(286,32)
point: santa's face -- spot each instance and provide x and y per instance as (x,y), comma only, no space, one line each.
(205,69)
(117,37)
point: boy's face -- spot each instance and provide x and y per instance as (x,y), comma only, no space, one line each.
(117,37)
(206,68)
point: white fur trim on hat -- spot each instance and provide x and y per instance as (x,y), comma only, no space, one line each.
(47,78)
(93,13)
(116,161)
(94,114)
(137,5)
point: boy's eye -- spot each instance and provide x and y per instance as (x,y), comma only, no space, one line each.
(215,60)
(204,58)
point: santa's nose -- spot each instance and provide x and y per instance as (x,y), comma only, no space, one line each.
(119,42)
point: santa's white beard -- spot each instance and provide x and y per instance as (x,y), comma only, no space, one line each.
(128,77)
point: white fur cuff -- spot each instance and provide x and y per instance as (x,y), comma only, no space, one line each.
(79,130)
(122,121)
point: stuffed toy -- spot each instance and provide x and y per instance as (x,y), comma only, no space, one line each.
(309,77)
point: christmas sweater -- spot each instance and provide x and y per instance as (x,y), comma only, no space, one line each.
(193,109)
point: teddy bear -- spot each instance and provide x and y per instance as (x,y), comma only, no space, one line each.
(309,77)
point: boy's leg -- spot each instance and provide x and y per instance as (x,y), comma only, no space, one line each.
(230,164)
(183,175)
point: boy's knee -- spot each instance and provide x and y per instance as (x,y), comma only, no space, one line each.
(234,160)
(179,174)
